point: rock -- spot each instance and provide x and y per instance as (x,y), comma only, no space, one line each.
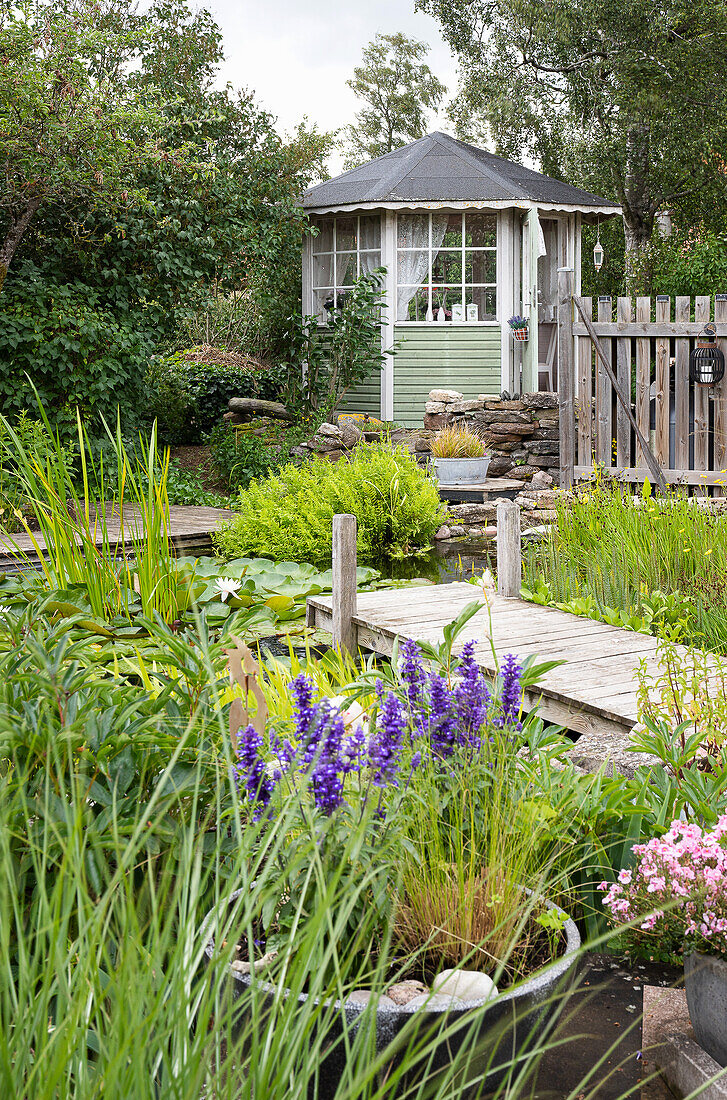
(541,480)
(257,407)
(472,513)
(350,434)
(546,433)
(522,473)
(423,443)
(445,395)
(464,406)
(435,407)
(403,992)
(442,533)
(466,985)
(476,532)
(543,447)
(457,531)
(489,532)
(436,1001)
(490,398)
(332,456)
(507,416)
(331,430)
(506,428)
(244,966)
(499,467)
(502,406)
(363,996)
(540,400)
(436,421)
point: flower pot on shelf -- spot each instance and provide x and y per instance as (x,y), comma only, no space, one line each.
(509,1026)
(705,982)
(461,471)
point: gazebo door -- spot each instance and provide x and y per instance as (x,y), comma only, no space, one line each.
(548,304)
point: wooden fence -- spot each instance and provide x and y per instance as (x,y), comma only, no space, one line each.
(647,345)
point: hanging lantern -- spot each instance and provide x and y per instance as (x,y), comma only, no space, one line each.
(598,253)
(706,361)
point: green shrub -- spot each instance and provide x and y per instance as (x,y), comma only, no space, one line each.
(289,515)
(185,487)
(39,446)
(189,396)
(239,457)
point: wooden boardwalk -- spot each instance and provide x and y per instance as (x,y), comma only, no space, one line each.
(190,530)
(593,693)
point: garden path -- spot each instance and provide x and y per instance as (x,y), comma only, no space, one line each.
(593,694)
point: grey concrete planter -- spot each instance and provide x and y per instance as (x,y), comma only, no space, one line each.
(461,471)
(705,982)
(510,1025)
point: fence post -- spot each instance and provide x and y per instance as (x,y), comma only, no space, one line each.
(509,548)
(566,387)
(344,582)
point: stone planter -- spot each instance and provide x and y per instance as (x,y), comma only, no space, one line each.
(461,471)
(705,981)
(512,1023)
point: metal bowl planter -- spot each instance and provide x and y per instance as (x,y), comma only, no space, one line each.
(461,471)
(511,1025)
(705,983)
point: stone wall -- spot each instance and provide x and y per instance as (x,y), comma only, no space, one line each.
(521,433)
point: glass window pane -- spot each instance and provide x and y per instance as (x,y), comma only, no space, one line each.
(480,230)
(369,262)
(324,241)
(453,232)
(323,270)
(412,231)
(447,267)
(481,267)
(345,234)
(323,303)
(481,303)
(345,268)
(443,298)
(370,232)
(412,303)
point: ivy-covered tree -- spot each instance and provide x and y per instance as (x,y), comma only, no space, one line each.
(398,89)
(625,96)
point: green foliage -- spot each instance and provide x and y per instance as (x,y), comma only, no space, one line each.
(398,89)
(185,487)
(340,356)
(189,396)
(240,457)
(650,563)
(689,262)
(289,515)
(38,444)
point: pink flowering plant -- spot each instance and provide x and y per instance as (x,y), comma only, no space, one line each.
(676,896)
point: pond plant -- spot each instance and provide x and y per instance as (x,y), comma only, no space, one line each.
(640,561)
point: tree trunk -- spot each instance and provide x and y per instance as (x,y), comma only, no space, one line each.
(637,202)
(19,222)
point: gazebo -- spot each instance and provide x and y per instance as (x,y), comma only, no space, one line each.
(467,239)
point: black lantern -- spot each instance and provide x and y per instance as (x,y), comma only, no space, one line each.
(706,361)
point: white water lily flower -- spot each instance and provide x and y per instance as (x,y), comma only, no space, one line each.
(228,586)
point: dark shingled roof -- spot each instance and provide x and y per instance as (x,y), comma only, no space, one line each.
(439,168)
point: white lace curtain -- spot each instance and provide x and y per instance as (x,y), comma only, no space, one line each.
(414,265)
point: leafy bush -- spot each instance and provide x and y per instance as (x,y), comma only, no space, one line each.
(290,514)
(688,262)
(190,390)
(239,457)
(185,487)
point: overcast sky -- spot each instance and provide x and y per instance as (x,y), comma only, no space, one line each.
(298,54)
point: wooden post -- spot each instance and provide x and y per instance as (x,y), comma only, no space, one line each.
(566,406)
(509,549)
(344,582)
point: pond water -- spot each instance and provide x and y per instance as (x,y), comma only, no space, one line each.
(450,561)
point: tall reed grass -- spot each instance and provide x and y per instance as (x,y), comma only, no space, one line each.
(629,552)
(118,550)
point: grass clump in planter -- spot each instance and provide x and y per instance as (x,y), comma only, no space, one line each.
(288,516)
(458,443)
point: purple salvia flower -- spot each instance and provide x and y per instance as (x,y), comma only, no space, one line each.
(412,670)
(416,760)
(511,693)
(353,751)
(301,688)
(386,744)
(326,778)
(471,697)
(442,723)
(250,773)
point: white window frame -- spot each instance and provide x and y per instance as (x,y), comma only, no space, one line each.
(493,323)
(336,289)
